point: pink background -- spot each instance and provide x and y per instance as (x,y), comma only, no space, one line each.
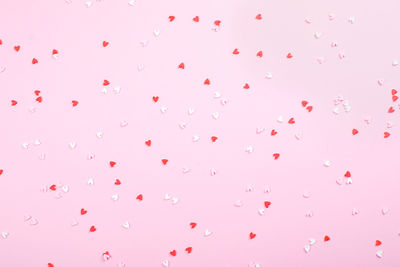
(370,45)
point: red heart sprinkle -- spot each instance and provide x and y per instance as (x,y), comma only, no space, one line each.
(394,98)
(259,54)
(273,132)
(217,22)
(139,197)
(37,92)
(164,161)
(182,66)
(171,18)
(347,174)
(391,110)
(259,17)
(17,47)
(304,103)
(173,253)
(188,250)
(50,265)
(148,142)
(53,187)
(394,91)
(309,108)
(378,243)
(196,19)
(386,134)
(193,225)
(39,99)
(112,164)
(267,204)
(83,211)
(117,182)
(1,171)
(291,121)
(14,102)
(252,235)
(105,43)
(354,131)
(289,55)
(276,156)
(105,83)
(54,52)
(92,229)
(155,99)
(246,86)
(235,52)
(326,238)
(214,138)
(74,103)
(35,61)
(207,81)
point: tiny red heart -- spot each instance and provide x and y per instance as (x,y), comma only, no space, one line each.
(182,66)
(259,54)
(276,156)
(148,142)
(14,102)
(391,110)
(105,43)
(39,99)
(304,103)
(53,187)
(155,99)
(105,83)
(394,91)
(17,47)
(252,235)
(291,121)
(164,161)
(394,98)
(171,18)
(246,86)
(50,265)
(259,17)
(378,243)
(92,229)
(235,52)
(309,108)
(347,174)
(173,253)
(1,171)
(196,19)
(386,134)
(117,182)
(37,92)
(112,164)
(139,197)
(354,131)
(54,52)
(1,42)
(207,81)
(273,132)
(326,238)
(214,138)
(188,250)
(74,103)
(217,22)
(83,211)
(267,204)
(193,225)
(35,61)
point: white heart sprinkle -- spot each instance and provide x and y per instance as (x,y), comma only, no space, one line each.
(379,253)
(191,111)
(132,2)
(317,35)
(27,217)
(25,145)
(33,221)
(167,196)
(213,172)
(175,200)
(65,188)
(144,43)
(339,180)
(196,138)
(238,203)
(351,20)
(308,20)
(224,101)
(117,90)
(182,125)
(327,163)
(90,156)
(217,94)
(311,241)
(140,67)
(90,182)
(99,135)
(267,190)
(268,75)
(306,194)
(309,214)
(336,110)
(215,115)
(164,109)
(126,225)
(349,181)
(249,149)
(72,145)
(123,123)
(4,235)
(249,188)
(165,263)
(37,142)
(380,82)
(395,63)
(185,170)
(354,211)
(115,197)
(74,223)
(307,248)
(280,119)
(260,130)
(261,211)
(104,90)
(88,4)
(156,32)
(207,232)
(385,211)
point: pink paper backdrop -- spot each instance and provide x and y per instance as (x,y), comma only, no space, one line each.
(45,148)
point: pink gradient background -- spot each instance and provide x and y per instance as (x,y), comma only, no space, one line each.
(157,226)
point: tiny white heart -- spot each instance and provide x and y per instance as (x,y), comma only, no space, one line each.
(351,20)
(238,203)
(298,135)
(104,90)
(123,123)
(379,253)
(306,194)
(339,180)
(167,196)
(132,2)
(261,211)
(185,170)
(165,263)
(65,188)
(117,90)
(309,214)
(349,181)
(2,69)
(307,248)
(90,182)
(341,55)
(354,211)
(140,67)
(385,211)
(213,172)
(33,221)
(268,75)
(72,145)
(37,142)
(88,4)
(389,124)
(144,43)
(25,145)
(196,138)
(380,82)
(182,125)
(395,63)
(115,197)
(267,190)
(175,200)
(90,156)
(311,241)
(336,110)
(164,109)
(99,135)
(249,188)
(207,232)
(224,101)
(215,115)
(334,44)
(74,223)
(191,111)
(249,149)
(327,163)
(260,130)
(4,235)
(280,119)
(27,217)
(156,32)
(317,35)
(308,20)
(217,94)
(126,225)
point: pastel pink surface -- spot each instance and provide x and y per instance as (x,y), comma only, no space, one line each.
(157,226)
